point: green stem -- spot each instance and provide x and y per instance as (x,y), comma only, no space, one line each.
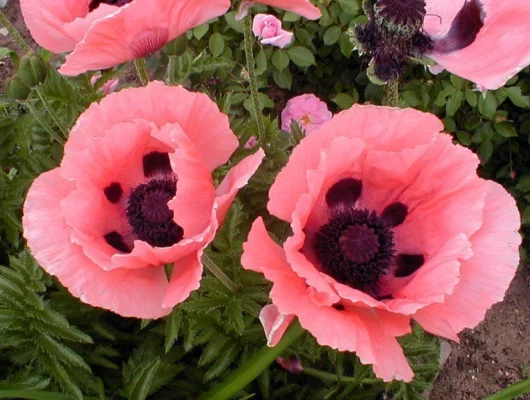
(326,376)
(512,392)
(218,273)
(253,367)
(171,70)
(14,33)
(251,68)
(141,70)
(392,93)
(51,112)
(43,123)
(37,395)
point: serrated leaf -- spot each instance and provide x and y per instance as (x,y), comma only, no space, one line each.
(213,349)
(139,386)
(222,362)
(173,322)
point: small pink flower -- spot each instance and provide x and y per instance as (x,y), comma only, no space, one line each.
(134,192)
(269,29)
(108,87)
(300,7)
(500,48)
(105,33)
(308,111)
(385,230)
(252,142)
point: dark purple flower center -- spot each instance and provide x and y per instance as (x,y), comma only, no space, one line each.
(356,246)
(149,215)
(95,3)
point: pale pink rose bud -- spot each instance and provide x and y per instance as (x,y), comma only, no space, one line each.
(269,29)
(308,111)
(108,87)
(252,142)
(293,365)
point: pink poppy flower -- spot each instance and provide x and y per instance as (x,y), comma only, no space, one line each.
(300,7)
(104,33)
(269,29)
(133,193)
(108,87)
(390,222)
(485,41)
(307,110)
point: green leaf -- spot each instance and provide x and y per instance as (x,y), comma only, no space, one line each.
(526,216)
(213,349)
(524,184)
(283,78)
(343,100)
(217,44)
(515,95)
(349,6)
(5,52)
(505,129)
(200,31)
(140,385)
(173,322)
(471,97)
(332,35)
(280,60)
(301,56)
(453,103)
(261,62)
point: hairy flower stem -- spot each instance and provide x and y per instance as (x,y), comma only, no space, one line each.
(14,33)
(43,123)
(392,93)
(51,112)
(251,68)
(251,369)
(218,273)
(141,70)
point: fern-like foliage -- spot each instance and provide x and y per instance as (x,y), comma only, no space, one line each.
(37,339)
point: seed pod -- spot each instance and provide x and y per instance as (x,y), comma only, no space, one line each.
(32,70)
(17,88)
(399,20)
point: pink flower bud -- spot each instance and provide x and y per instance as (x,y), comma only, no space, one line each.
(293,365)
(108,87)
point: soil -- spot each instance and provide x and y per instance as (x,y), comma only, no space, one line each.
(494,355)
(489,358)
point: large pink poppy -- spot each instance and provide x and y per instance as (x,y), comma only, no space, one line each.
(104,33)
(485,41)
(134,192)
(390,222)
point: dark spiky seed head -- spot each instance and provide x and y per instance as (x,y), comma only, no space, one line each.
(356,247)
(399,20)
(149,215)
